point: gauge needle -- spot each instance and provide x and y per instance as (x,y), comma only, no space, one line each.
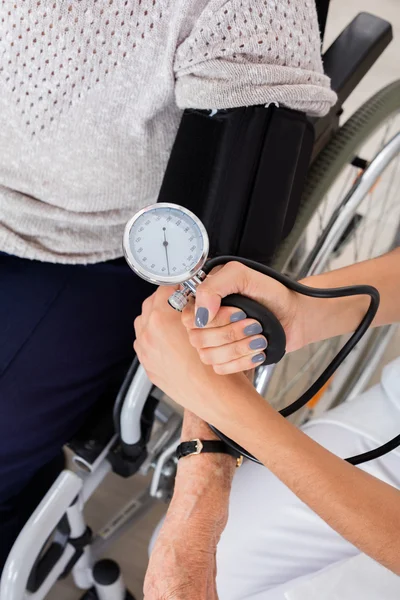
(165,244)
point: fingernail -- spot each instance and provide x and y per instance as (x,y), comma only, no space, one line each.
(258,358)
(201,317)
(258,344)
(238,316)
(252,329)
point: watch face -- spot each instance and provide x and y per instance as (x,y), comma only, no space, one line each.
(165,244)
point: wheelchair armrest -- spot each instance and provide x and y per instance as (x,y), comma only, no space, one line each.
(129,407)
(131,417)
(346,62)
(354,52)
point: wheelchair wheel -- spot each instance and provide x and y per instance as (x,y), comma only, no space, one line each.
(373,229)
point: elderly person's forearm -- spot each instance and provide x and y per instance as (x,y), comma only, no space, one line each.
(182,563)
(203,481)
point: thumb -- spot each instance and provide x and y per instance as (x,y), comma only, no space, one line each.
(231,279)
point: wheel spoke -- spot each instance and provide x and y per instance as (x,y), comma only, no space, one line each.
(381,145)
(386,220)
(356,244)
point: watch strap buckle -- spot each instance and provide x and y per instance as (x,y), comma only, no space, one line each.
(199,446)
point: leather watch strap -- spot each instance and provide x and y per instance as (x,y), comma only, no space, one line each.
(201,446)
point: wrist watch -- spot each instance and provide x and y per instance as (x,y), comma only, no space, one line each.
(201,446)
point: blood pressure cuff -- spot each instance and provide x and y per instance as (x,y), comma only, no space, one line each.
(241,171)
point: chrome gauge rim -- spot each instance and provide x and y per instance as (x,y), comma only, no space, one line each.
(169,279)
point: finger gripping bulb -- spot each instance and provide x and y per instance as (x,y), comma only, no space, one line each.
(272,328)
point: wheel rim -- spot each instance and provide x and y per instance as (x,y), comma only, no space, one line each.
(373,232)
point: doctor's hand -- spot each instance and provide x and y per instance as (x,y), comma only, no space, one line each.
(225,337)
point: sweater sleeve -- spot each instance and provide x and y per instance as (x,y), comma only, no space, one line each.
(248,52)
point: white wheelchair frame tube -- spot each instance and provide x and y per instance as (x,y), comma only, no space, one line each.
(67,496)
(132,409)
(32,538)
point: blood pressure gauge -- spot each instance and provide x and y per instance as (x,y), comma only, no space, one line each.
(167,244)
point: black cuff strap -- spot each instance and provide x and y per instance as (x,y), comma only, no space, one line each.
(201,446)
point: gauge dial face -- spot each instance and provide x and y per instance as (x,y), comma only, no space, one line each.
(165,244)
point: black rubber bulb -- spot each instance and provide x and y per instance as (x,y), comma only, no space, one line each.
(272,328)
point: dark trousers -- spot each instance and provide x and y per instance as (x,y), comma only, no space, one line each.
(66,334)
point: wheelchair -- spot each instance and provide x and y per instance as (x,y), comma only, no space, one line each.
(348,212)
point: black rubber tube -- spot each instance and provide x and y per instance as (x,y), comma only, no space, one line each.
(376,452)
(354,290)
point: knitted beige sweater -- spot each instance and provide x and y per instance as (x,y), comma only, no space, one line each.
(91,94)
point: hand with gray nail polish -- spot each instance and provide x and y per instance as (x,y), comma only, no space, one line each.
(224,343)
(224,335)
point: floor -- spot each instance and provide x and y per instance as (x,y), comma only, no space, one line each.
(131,550)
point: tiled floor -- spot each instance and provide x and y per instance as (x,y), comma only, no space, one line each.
(131,550)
